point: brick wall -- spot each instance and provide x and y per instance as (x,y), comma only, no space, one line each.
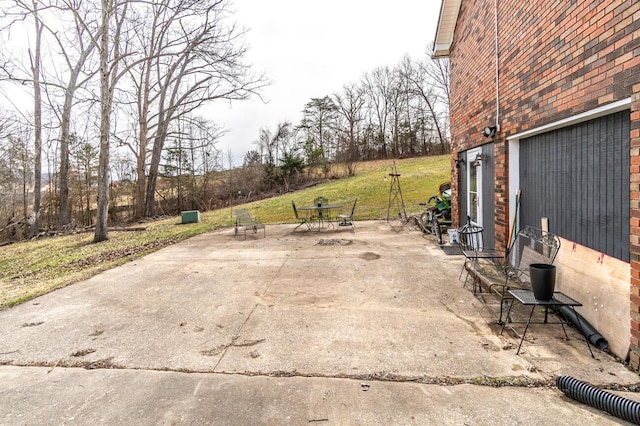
(557,58)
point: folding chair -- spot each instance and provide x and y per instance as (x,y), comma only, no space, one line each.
(347,219)
(303,219)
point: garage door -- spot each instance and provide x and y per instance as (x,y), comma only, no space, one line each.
(578,177)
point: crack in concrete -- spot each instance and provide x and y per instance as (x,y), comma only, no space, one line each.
(237,335)
(485,381)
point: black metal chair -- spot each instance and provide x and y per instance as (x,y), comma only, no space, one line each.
(532,245)
(472,245)
(347,219)
(501,273)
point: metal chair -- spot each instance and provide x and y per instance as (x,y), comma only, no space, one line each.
(303,219)
(532,245)
(511,270)
(347,219)
(471,239)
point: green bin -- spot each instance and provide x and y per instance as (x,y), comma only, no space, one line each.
(191,216)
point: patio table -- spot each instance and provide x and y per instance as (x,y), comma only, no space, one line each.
(526,298)
(320,210)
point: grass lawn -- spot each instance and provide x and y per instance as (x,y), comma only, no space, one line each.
(33,268)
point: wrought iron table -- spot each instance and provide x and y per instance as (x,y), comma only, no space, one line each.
(321,209)
(526,298)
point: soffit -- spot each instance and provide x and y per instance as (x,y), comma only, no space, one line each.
(449,10)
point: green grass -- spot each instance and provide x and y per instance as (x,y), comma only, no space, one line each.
(419,179)
(33,268)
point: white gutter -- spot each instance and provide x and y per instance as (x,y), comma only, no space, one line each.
(497,67)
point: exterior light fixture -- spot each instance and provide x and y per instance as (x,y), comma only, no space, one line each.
(459,162)
(489,132)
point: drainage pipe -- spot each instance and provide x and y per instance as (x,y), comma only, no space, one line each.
(618,406)
(587,329)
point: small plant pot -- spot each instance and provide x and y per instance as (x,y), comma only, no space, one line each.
(543,280)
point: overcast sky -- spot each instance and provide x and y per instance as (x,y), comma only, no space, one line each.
(311,49)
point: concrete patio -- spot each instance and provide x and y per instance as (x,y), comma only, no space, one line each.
(370,326)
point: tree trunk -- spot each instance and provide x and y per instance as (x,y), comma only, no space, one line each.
(101,232)
(37,122)
(141,182)
(158,144)
(141,156)
(64,215)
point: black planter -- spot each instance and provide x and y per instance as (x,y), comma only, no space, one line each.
(543,280)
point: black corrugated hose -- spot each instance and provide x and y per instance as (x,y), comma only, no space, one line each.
(590,333)
(623,408)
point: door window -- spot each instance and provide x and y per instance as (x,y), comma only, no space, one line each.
(474,183)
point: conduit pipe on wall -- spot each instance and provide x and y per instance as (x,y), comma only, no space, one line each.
(620,407)
(495,4)
(589,332)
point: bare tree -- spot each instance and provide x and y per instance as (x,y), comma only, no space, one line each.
(16,14)
(85,156)
(16,175)
(186,56)
(438,71)
(35,57)
(53,19)
(408,112)
(190,154)
(108,79)
(421,85)
(15,168)
(77,38)
(350,104)
(267,150)
(378,84)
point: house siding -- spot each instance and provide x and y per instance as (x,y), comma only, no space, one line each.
(557,58)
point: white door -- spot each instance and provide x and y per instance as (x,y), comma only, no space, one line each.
(474,183)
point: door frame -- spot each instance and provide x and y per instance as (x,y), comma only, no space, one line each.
(474,165)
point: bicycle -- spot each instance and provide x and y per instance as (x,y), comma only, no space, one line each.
(437,215)
(435,220)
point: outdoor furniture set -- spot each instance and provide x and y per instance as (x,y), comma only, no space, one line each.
(319,214)
(509,275)
(315,216)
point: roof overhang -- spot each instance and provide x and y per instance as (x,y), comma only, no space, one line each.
(449,10)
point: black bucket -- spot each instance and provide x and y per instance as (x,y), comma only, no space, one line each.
(543,280)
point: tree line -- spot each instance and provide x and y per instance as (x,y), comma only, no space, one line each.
(102,113)
(111,78)
(392,112)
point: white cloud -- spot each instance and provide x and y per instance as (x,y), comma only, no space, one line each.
(311,49)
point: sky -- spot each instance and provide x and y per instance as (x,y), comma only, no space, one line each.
(312,49)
